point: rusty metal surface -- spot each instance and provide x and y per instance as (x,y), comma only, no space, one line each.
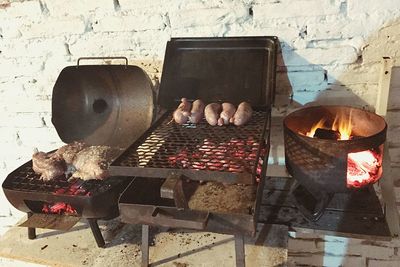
(50,221)
(355,214)
(197,151)
(321,164)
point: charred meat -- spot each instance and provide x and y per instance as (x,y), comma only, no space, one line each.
(92,163)
(48,165)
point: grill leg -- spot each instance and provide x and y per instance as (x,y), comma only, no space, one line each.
(239,250)
(31,231)
(96,232)
(145,245)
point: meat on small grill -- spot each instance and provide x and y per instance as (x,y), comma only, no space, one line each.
(182,113)
(211,112)
(242,115)
(197,111)
(48,165)
(92,163)
(69,151)
(228,110)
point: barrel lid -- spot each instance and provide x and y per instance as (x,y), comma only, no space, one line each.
(232,69)
(102,104)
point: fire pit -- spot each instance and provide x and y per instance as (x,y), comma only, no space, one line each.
(100,105)
(331,149)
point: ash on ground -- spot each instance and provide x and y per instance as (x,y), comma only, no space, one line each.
(224,198)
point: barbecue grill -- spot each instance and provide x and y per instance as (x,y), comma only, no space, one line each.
(100,105)
(169,160)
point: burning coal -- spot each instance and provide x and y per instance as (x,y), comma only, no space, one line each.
(236,155)
(363,167)
(60,208)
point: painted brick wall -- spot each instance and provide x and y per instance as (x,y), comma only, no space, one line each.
(331,52)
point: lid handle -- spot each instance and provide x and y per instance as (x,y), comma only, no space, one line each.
(96,58)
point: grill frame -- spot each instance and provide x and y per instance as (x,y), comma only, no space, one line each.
(196,134)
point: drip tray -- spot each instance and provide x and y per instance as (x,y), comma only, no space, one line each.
(141,203)
(50,221)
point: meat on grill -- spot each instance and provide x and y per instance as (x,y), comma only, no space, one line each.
(92,163)
(197,111)
(228,110)
(182,113)
(211,112)
(243,114)
(69,151)
(49,166)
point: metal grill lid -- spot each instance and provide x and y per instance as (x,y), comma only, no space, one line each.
(102,104)
(230,69)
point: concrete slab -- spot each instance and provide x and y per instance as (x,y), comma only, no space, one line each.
(77,247)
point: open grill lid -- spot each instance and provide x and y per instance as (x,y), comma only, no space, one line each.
(218,70)
(102,104)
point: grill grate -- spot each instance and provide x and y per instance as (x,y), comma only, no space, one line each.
(26,180)
(200,148)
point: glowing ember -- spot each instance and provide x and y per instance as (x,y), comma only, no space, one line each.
(60,208)
(236,155)
(363,167)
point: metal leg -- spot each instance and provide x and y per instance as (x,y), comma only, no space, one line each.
(239,251)
(96,232)
(386,182)
(145,245)
(31,231)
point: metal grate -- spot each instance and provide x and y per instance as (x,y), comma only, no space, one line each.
(26,180)
(197,148)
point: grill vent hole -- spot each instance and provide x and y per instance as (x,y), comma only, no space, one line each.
(99,105)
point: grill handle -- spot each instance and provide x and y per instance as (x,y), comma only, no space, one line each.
(97,58)
(188,219)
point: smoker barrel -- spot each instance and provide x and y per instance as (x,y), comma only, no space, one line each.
(321,164)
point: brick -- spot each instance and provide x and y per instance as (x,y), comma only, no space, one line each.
(383,263)
(34,48)
(289,9)
(394,98)
(302,245)
(353,74)
(77,7)
(300,78)
(38,136)
(371,6)
(54,27)
(339,55)
(30,9)
(22,120)
(132,22)
(208,16)
(9,27)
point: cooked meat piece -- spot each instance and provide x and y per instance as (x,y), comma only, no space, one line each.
(228,110)
(69,151)
(211,112)
(49,166)
(92,163)
(243,114)
(182,113)
(197,111)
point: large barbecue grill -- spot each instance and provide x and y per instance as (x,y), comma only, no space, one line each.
(100,105)
(169,160)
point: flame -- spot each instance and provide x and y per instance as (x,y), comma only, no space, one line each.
(319,124)
(343,126)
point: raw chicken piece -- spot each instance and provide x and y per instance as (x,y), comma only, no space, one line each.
(49,166)
(92,163)
(69,151)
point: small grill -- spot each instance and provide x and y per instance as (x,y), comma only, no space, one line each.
(169,160)
(101,105)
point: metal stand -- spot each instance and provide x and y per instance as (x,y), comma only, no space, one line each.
(239,248)
(239,251)
(145,245)
(96,232)
(31,231)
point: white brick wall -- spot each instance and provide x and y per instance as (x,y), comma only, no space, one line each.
(331,51)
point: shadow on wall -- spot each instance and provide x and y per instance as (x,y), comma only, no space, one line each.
(345,88)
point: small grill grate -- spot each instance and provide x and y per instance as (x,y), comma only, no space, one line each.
(26,180)
(198,147)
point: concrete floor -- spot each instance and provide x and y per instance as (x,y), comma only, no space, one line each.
(169,248)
